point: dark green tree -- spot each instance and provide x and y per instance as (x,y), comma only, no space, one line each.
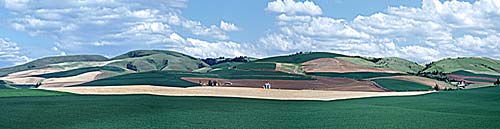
(436,87)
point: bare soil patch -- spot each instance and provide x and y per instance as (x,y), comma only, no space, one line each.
(462,78)
(422,80)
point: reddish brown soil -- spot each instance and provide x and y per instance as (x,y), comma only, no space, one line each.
(339,66)
(322,83)
(462,78)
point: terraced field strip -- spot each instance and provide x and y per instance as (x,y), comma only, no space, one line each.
(237,92)
(355,75)
(401,85)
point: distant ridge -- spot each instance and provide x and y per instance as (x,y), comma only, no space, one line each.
(40,63)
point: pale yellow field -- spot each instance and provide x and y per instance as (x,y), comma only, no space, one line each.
(232,92)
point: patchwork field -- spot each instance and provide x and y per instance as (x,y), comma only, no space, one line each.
(239,92)
(467,109)
(320,83)
(339,66)
(355,75)
(401,85)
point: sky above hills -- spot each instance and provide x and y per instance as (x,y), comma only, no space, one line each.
(421,31)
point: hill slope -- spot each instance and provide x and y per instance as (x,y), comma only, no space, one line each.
(300,57)
(40,63)
(156,60)
(471,64)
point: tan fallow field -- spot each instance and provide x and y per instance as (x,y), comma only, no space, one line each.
(238,92)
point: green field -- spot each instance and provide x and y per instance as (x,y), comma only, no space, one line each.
(173,78)
(465,73)
(401,85)
(355,75)
(79,71)
(467,109)
(254,74)
(257,66)
(158,78)
(28,92)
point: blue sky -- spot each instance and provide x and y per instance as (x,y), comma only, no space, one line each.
(421,31)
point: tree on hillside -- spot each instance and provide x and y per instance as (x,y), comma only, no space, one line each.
(131,66)
(497,83)
(436,87)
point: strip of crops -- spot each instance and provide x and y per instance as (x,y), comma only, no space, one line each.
(355,75)
(465,73)
(79,71)
(401,85)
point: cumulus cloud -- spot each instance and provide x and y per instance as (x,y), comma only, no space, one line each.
(228,26)
(84,26)
(291,7)
(200,48)
(448,29)
(10,53)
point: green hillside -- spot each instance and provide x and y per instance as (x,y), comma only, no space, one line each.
(264,66)
(156,60)
(4,85)
(43,62)
(300,57)
(392,63)
(75,72)
(399,64)
(471,64)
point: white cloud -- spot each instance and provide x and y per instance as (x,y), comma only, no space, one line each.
(200,48)
(84,26)
(433,31)
(10,53)
(228,26)
(291,7)
(16,4)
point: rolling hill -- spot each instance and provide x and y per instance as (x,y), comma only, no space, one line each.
(156,60)
(43,62)
(300,57)
(471,64)
(314,69)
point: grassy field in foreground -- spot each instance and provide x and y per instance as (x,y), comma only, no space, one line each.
(401,85)
(29,92)
(467,109)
